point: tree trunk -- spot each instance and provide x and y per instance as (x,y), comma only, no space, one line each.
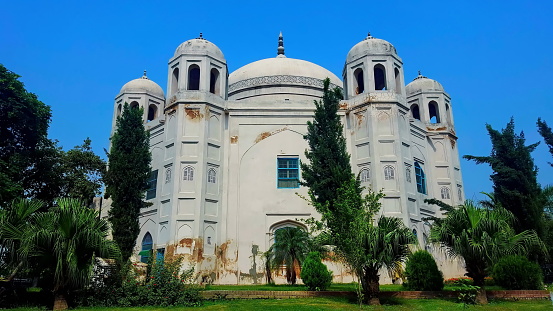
(372,289)
(59,302)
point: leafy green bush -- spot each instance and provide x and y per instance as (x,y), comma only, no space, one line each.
(163,285)
(517,272)
(422,272)
(314,273)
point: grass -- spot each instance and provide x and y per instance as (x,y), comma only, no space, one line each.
(349,287)
(338,304)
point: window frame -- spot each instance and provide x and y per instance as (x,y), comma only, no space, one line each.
(211,176)
(279,169)
(365,175)
(389,172)
(188,173)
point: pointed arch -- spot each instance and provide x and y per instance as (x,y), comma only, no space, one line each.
(147,246)
(188,173)
(152,112)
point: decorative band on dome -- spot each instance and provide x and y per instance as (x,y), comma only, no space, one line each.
(278,79)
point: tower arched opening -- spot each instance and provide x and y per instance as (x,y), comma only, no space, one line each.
(398,80)
(175,81)
(214,83)
(434,112)
(134,105)
(359,81)
(379,77)
(415,112)
(152,112)
(194,78)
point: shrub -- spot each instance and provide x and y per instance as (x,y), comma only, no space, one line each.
(517,272)
(314,273)
(422,272)
(163,285)
(459,281)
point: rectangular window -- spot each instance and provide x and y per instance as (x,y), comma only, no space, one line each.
(152,186)
(288,172)
(421,178)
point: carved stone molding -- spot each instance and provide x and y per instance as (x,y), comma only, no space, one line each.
(280,79)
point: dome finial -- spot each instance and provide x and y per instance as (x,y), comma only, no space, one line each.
(201,36)
(369,36)
(420,73)
(280,49)
(144,76)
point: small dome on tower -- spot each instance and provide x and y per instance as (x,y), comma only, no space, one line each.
(422,83)
(199,46)
(370,46)
(142,85)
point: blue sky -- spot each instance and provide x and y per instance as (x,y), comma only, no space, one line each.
(493,57)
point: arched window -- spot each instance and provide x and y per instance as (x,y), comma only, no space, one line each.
(365,175)
(175,81)
(188,173)
(194,77)
(379,78)
(152,112)
(415,233)
(398,80)
(445,193)
(119,110)
(408,173)
(421,178)
(434,112)
(147,245)
(168,175)
(460,192)
(214,82)
(134,105)
(211,176)
(415,112)
(359,81)
(389,172)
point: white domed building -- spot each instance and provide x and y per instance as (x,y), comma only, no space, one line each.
(226,151)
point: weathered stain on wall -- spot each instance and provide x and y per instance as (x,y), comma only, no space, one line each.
(234,139)
(264,135)
(193,114)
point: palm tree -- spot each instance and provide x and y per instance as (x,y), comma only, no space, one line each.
(64,241)
(290,247)
(481,236)
(383,245)
(13,222)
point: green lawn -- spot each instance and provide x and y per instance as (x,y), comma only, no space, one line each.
(335,304)
(333,287)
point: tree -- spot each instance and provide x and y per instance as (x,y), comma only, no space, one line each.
(481,237)
(24,122)
(290,247)
(514,177)
(64,241)
(126,179)
(347,216)
(329,163)
(547,134)
(83,171)
(422,272)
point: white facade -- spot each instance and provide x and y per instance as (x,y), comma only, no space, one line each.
(217,141)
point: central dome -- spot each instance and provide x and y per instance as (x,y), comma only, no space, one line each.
(282,75)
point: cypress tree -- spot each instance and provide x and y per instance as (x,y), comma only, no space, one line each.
(514,176)
(126,178)
(547,134)
(329,163)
